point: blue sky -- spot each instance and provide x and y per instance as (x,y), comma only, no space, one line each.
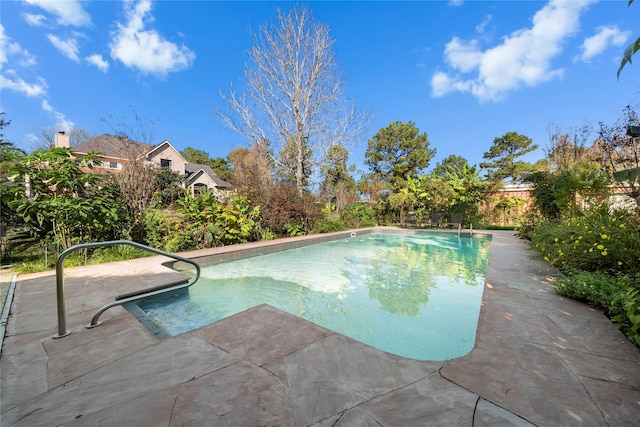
(464,71)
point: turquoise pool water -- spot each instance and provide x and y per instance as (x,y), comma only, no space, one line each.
(414,295)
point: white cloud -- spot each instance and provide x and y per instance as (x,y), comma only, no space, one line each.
(34,19)
(9,79)
(522,59)
(606,36)
(456,2)
(145,49)
(481,26)
(68,47)
(98,61)
(11,49)
(461,56)
(68,12)
(62,123)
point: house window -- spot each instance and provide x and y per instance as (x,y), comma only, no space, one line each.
(165,163)
(113,165)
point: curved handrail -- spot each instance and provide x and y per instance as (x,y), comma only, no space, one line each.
(62,321)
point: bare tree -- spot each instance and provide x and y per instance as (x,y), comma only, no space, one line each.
(293,95)
(141,129)
(620,146)
(46,137)
(568,147)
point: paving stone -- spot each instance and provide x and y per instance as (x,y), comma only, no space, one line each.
(330,422)
(276,335)
(489,415)
(150,409)
(23,369)
(218,398)
(620,403)
(527,379)
(598,367)
(356,417)
(430,401)
(157,367)
(85,350)
(337,373)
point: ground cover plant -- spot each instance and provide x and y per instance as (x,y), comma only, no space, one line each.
(599,254)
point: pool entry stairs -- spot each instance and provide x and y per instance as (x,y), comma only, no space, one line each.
(62,325)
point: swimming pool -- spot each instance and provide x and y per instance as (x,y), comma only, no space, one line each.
(415,295)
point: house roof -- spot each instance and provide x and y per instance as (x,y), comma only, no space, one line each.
(123,148)
(192,170)
(113,146)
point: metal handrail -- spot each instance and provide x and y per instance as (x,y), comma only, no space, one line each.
(62,321)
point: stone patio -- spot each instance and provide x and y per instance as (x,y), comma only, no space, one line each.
(539,359)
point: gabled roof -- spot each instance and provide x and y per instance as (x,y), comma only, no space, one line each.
(113,146)
(192,170)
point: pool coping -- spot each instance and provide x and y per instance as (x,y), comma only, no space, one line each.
(539,359)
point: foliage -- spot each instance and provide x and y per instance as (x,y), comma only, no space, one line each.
(630,50)
(168,186)
(562,193)
(357,215)
(219,165)
(338,185)
(397,151)
(506,210)
(617,296)
(327,225)
(202,222)
(62,203)
(626,309)
(214,224)
(598,241)
(502,157)
(621,152)
(9,155)
(194,155)
(468,190)
(285,212)
(599,252)
(594,288)
(252,173)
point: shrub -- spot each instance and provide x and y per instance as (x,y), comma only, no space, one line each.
(356,215)
(627,312)
(285,212)
(598,241)
(327,225)
(596,289)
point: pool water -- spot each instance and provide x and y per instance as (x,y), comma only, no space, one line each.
(414,295)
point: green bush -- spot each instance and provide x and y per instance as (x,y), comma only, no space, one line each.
(617,296)
(627,312)
(326,225)
(597,241)
(596,289)
(600,254)
(356,215)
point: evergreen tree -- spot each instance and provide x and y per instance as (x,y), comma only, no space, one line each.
(503,154)
(397,151)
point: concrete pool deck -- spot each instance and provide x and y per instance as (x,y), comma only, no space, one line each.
(539,359)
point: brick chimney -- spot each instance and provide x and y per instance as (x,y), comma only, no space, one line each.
(62,140)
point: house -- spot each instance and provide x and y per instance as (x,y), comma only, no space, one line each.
(114,152)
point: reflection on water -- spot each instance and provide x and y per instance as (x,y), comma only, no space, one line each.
(413,295)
